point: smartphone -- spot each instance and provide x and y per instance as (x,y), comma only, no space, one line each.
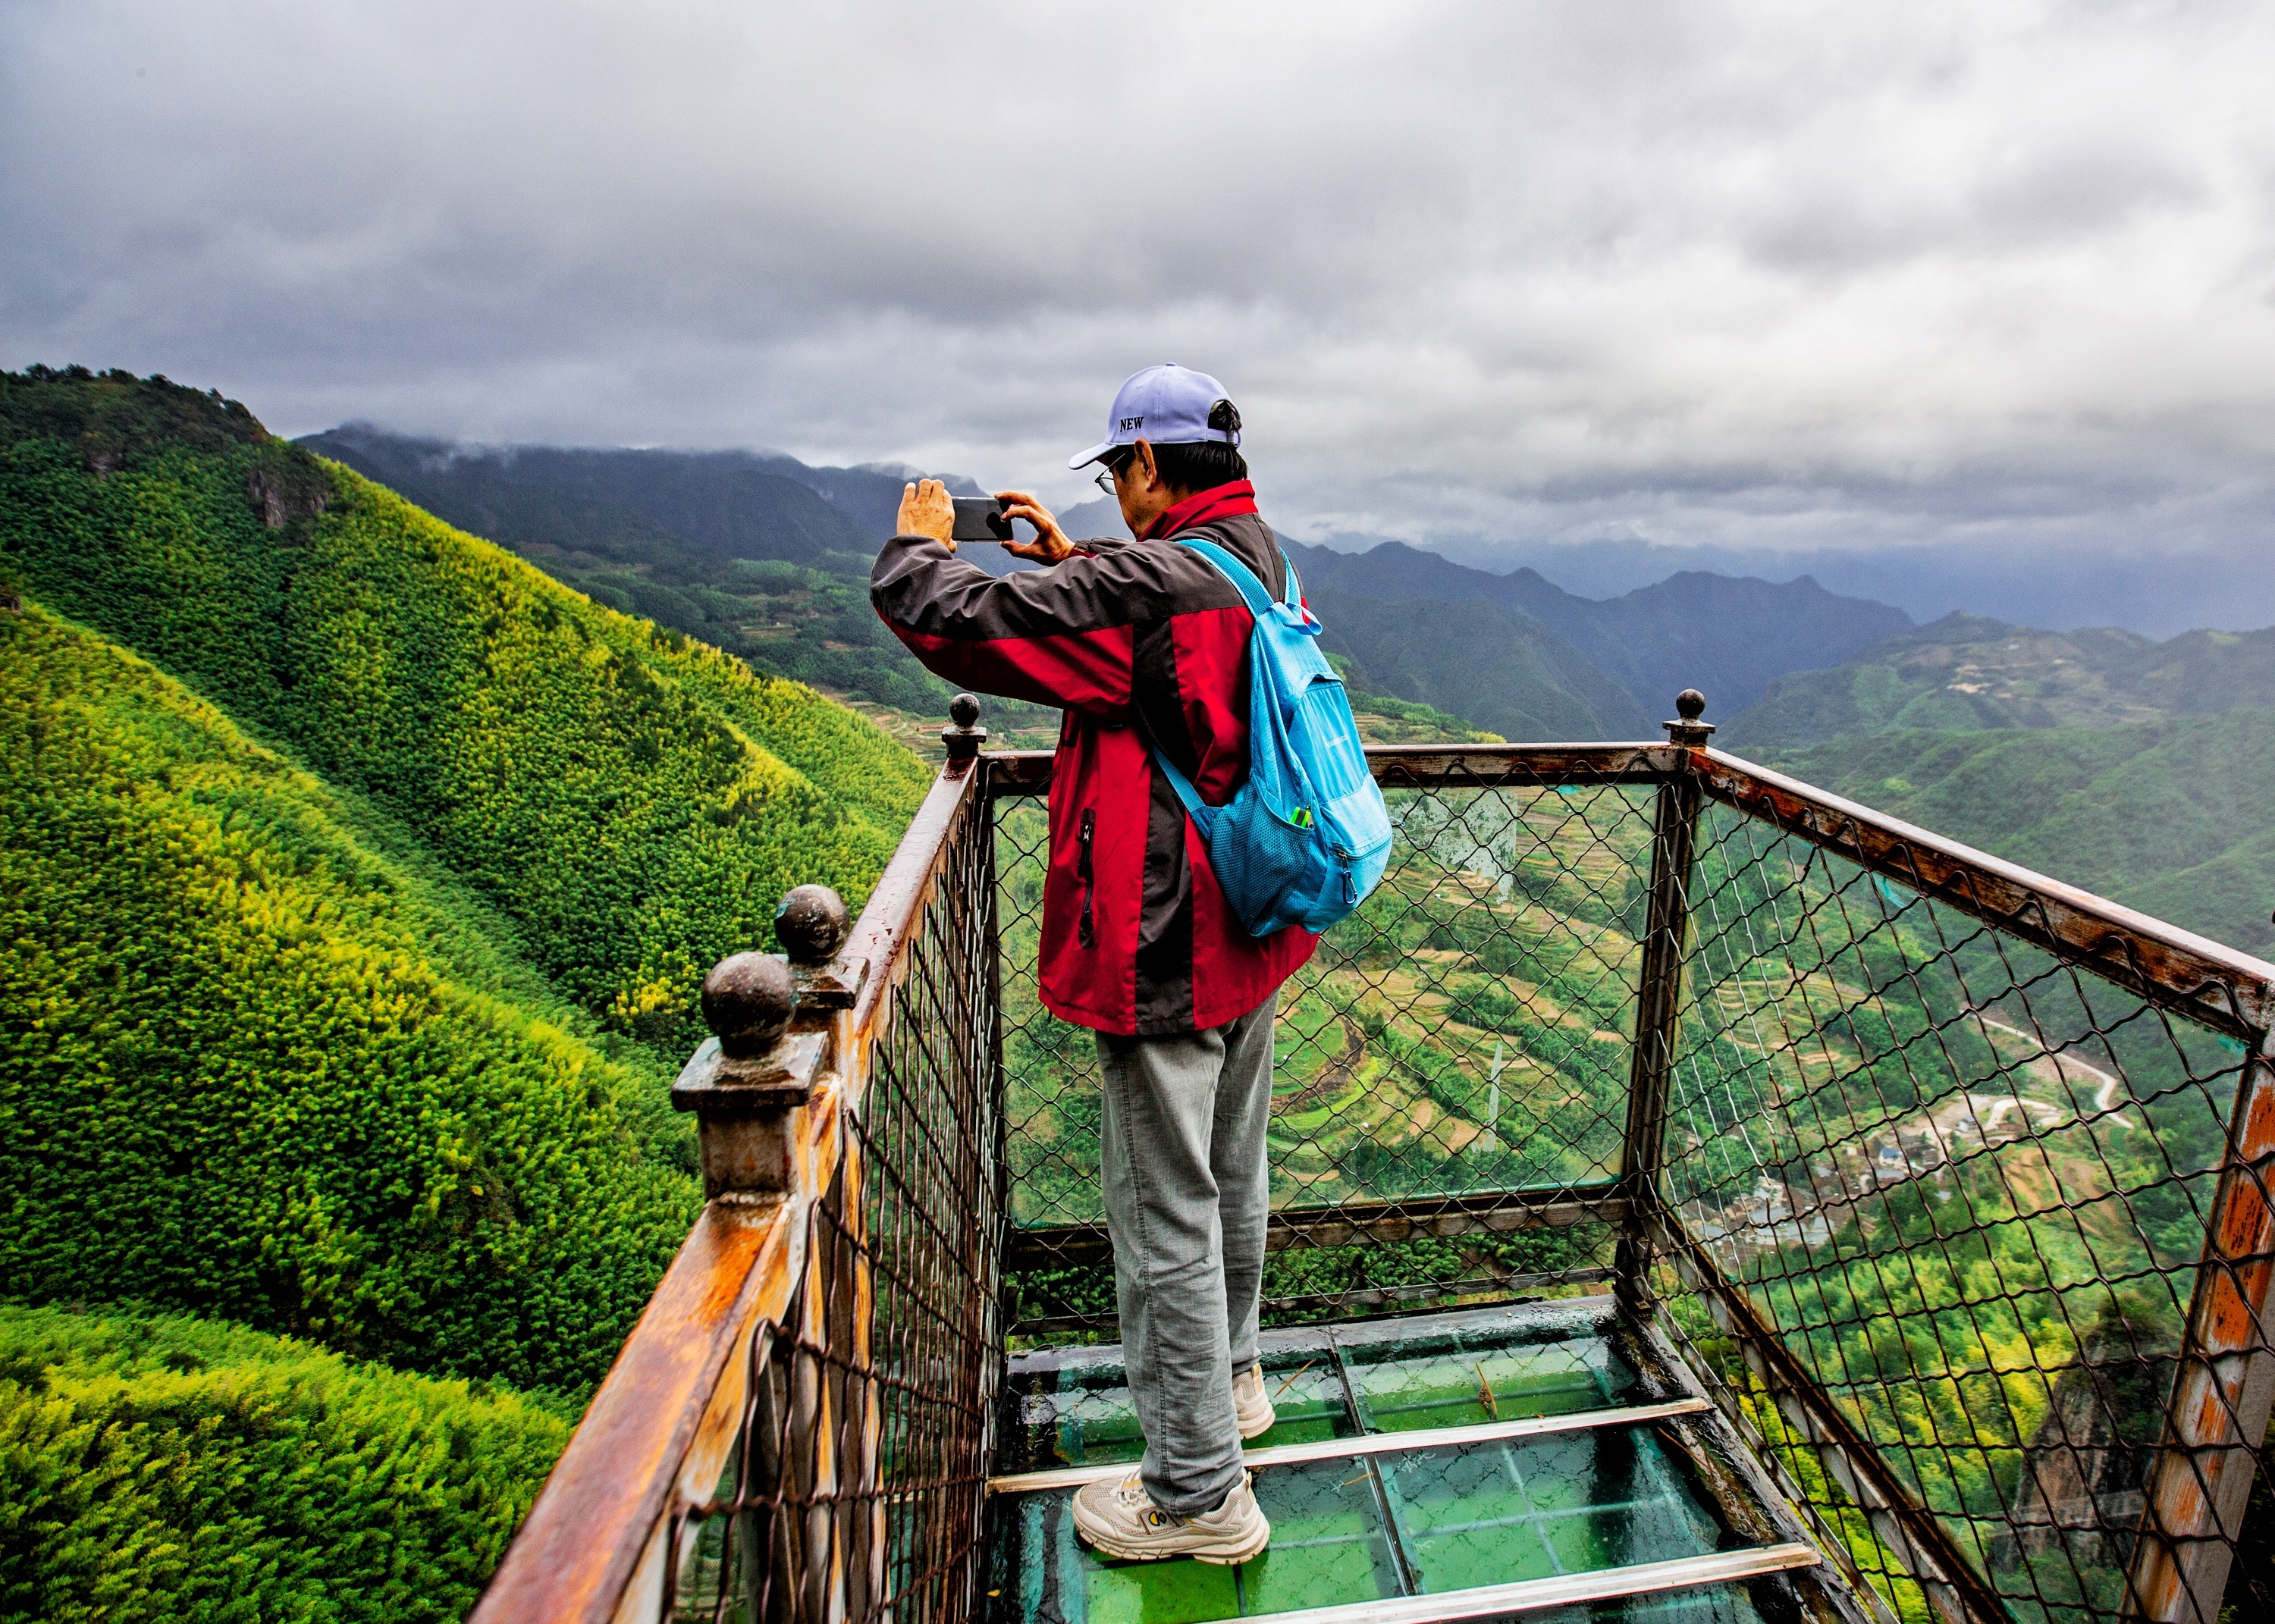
(980,519)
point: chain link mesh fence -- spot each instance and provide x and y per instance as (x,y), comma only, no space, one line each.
(856,1489)
(1928,1212)
(1965,1184)
(1956,1186)
(1465,1037)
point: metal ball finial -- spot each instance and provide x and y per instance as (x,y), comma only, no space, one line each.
(748,998)
(1691,705)
(962,738)
(810,924)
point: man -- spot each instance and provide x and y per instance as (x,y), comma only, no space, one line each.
(1144,645)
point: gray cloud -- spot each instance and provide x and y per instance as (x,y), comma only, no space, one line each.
(1756,275)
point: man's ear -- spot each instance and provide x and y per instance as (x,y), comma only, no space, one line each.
(1142,464)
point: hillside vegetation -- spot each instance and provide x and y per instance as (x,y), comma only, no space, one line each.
(356,881)
(633,802)
(356,915)
(251,1066)
(162,1466)
(2164,817)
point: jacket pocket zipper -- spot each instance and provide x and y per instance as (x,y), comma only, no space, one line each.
(1086,933)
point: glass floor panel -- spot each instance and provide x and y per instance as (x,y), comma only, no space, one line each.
(1083,1417)
(1472,1379)
(1329,1545)
(1439,1372)
(1363,1529)
(1530,1508)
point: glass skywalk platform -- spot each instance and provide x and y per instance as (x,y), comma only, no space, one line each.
(1945,1183)
(1537,1459)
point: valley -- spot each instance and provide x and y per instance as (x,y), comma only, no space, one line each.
(416,847)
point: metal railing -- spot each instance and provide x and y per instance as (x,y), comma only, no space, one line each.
(799,1426)
(1947,1179)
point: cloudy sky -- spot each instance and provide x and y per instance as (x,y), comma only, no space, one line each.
(1784,276)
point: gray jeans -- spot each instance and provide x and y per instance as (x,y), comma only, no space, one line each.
(1187,1194)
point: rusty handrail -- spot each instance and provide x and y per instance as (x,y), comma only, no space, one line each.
(658,1428)
(598,1543)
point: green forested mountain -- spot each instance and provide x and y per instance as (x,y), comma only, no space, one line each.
(2131,767)
(2165,817)
(632,802)
(165,1467)
(356,881)
(1727,635)
(760,556)
(1965,673)
(250,1065)
(1489,665)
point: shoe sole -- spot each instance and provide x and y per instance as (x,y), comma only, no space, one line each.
(1221,1558)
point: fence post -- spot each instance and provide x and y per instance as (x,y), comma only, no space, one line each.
(1658,1003)
(2201,1478)
(773,1020)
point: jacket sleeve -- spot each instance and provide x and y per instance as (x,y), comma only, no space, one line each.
(1061,635)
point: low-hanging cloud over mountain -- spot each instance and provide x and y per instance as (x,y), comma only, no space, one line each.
(1760,276)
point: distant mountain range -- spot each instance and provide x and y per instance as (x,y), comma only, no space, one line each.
(2069,582)
(673,535)
(1728,637)
(1968,673)
(1506,659)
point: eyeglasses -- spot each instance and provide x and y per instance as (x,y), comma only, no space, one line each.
(1108,467)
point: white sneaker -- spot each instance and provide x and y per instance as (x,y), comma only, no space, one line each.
(1120,1520)
(1249,1402)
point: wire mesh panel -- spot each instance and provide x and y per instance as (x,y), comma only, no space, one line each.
(1963,1186)
(856,1490)
(1455,1054)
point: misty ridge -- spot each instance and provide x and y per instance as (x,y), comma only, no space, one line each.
(2101,752)
(769,556)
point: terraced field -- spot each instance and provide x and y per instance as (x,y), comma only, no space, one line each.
(1467,1028)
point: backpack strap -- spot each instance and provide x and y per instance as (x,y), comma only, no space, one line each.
(1195,808)
(1259,603)
(1258,598)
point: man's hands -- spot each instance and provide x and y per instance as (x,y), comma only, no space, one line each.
(1050,543)
(927,510)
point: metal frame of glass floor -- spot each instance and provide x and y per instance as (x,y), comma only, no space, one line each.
(1548,1459)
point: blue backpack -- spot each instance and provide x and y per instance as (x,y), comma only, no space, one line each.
(1307,836)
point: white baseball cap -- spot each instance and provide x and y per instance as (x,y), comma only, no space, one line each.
(1166,404)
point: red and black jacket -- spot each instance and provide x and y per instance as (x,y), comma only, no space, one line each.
(1139,643)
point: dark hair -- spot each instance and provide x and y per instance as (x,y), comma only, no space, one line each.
(1203,464)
